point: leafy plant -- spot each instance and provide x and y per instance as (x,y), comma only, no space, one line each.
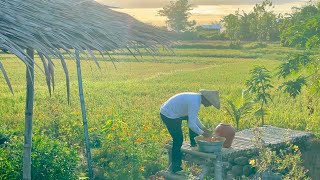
(262,24)
(259,84)
(301,68)
(300,29)
(238,109)
(50,159)
(286,161)
(121,156)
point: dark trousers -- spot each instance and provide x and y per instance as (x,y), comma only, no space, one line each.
(175,129)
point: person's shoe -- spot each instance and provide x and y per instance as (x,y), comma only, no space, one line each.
(174,169)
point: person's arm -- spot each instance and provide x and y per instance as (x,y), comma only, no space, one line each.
(206,131)
(193,121)
(200,125)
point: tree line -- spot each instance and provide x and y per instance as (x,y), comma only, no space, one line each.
(297,29)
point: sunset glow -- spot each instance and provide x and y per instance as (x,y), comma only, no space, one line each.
(203,14)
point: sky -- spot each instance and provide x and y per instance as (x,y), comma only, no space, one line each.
(204,11)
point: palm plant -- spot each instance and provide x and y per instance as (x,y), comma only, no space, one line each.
(67,28)
(238,109)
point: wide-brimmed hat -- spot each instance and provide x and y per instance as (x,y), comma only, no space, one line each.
(212,96)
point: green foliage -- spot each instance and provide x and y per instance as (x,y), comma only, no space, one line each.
(293,87)
(294,64)
(232,24)
(286,160)
(301,28)
(265,24)
(259,84)
(301,68)
(177,14)
(50,159)
(121,153)
(11,158)
(261,24)
(208,34)
(238,109)
(289,161)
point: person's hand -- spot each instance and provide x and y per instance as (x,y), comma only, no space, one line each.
(207,131)
(207,134)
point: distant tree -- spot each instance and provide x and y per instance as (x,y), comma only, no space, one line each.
(232,24)
(245,25)
(264,24)
(177,14)
(261,24)
(301,28)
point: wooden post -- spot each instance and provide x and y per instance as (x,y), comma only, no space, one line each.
(84,116)
(28,117)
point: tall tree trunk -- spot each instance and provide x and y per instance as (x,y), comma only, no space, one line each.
(28,118)
(84,116)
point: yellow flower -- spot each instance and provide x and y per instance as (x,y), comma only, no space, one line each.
(139,140)
(252,162)
(295,148)
(141,169)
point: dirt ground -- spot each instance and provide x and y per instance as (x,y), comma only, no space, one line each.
(311,158)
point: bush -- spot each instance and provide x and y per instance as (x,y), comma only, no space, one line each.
(50,159)
(286,161)
(122,153)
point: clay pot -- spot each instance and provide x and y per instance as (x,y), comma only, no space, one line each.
(227,131)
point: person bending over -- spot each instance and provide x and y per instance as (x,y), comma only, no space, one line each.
(185,106)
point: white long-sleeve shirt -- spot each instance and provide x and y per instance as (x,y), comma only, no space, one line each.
(184,104)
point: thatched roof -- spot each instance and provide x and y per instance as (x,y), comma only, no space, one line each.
(52,27)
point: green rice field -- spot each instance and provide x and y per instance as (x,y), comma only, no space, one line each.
(123,100)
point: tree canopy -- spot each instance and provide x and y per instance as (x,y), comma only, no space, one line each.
(301,28)
(178,14)
(262,24)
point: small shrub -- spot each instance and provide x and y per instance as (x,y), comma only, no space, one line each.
(122,153)
(286,161)
(50,159)
(260,84)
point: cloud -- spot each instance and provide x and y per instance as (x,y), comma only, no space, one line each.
(161,3)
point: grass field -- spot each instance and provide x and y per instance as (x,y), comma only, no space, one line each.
(123,102)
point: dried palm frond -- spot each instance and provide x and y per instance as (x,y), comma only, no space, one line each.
(6,77)
(54,27)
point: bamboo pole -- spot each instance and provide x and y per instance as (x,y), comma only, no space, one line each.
(84,115)
(28,117)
